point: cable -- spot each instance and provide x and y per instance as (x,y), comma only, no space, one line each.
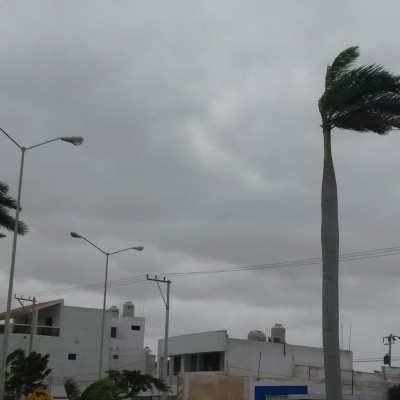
(390,251)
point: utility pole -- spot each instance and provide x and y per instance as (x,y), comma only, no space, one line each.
(33,324)
(166,302)
(391,339)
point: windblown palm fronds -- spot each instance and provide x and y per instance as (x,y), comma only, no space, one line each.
(361,99)
(7,203)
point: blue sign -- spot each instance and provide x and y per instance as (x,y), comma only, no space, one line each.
(260,392)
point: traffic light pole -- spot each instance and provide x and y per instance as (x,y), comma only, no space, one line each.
(391,339)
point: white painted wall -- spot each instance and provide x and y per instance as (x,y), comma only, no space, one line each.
(195,343)
(80,334)
(265,359)
(127,348)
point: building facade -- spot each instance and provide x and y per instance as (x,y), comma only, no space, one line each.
(214,366)
(71,335)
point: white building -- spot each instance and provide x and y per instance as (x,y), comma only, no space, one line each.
(214,366)
(71,335)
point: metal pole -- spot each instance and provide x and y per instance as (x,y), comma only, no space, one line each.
(33,326)
(76,141)
(165,364)
(391,339)
(165,358)
(138,248)
(103,319)
(11,282)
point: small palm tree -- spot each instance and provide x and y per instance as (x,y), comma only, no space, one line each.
(8,203)
(361,99)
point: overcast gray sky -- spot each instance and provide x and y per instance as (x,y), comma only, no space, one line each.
(203,144)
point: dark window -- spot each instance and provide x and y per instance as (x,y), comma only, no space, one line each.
(135,328)
(49,321)
(211,361)
(193,363)
(113,331)
(115,357)
(71,356)
(177,364)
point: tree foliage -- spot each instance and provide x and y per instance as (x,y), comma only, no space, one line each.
(103,389)
(362,99)
(7,203)
(24,371)
(130,383)
(394,392)
(72,389)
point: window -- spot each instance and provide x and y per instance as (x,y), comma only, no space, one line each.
(115,357)
(211,361)
(135,327)
(49,321)
(193,363)
(71,356)
(113,331)
(177,364)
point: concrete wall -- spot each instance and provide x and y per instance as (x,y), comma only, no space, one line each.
(265,359)
(79,333)
(195,343)
(199,386)
(126,336)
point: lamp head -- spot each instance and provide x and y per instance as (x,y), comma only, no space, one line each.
(75,140)
(138,248)
(75,235)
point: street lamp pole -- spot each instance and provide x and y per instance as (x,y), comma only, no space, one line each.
(138,248)
(76,141)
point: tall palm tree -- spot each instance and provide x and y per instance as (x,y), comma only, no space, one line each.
(361,99)
(7,203)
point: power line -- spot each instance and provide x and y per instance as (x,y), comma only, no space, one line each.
(361,255)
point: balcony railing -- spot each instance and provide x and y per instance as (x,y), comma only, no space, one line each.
(48,331)
(26,330)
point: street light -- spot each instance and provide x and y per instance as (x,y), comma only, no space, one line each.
(76,141)
(138,248)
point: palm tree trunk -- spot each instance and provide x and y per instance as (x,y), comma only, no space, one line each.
(330,262)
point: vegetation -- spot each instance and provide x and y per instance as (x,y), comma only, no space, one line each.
(72,389)
(24,371)
(394,393)
(361,99)
(103,389)
(7,203)
(120,385)
(131,383)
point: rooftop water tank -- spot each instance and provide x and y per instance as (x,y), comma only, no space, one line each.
(114,311)
(278,334)
(257,335)
(128,309)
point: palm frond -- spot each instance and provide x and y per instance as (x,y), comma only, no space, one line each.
(7,222)
(362,99)
(358,85)
(367,121)
(341,64)
(7,203)
(4,188)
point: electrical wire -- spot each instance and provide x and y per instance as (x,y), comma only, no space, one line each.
(360,255)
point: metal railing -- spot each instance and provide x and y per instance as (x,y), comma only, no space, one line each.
(26,330)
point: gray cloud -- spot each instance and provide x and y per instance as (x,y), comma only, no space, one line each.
(202,143)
